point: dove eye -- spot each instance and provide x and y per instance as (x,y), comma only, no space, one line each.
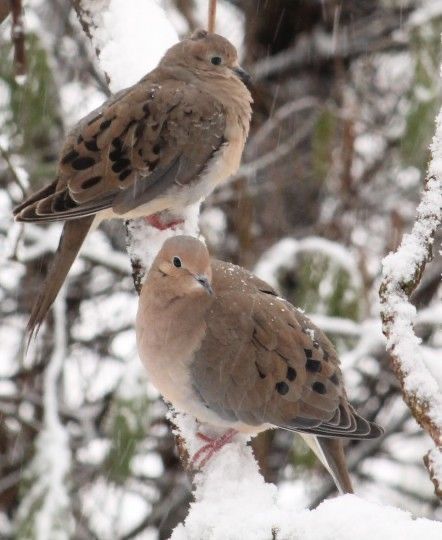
(176,262)
(216,60)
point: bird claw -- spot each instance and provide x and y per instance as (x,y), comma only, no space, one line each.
(213,445)
(155,221)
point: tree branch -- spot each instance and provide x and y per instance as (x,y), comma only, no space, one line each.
(211,21)
(18,38)
(402,272)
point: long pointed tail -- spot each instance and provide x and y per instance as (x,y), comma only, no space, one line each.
(74,233)
(331,454)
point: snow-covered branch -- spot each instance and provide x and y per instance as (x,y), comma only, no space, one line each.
(402,272)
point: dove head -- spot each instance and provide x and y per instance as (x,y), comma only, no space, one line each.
(182,267)
(206,54)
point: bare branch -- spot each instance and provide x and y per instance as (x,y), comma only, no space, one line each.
(13,171)
(211,22)
(18,38)
(5,8)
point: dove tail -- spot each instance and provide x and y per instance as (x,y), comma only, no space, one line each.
(333,451)
(331,454)
(73,235)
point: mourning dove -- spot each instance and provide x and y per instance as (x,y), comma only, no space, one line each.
(219,344)
(162,144)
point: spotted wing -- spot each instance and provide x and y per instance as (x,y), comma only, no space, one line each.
(270,365)
(146,138)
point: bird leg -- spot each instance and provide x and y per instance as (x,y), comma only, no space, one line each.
(213,444)
(155,221)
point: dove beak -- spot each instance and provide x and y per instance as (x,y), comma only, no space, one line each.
(204,282)
(243,75)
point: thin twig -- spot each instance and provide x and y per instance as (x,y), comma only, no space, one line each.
(18,38)
(12,170)
(211,23)
(5,8)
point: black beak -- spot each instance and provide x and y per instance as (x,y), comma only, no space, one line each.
(243,75)
(205,283)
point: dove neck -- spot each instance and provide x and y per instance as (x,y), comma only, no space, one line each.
(163,313)
(163,297)
(229,91)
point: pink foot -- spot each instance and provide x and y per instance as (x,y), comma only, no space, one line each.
(155,221)
(203,455)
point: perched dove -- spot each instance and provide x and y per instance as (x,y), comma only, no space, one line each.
(162,144)
(219,344)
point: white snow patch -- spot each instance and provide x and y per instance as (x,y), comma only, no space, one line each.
(232,502)
(283,256)
(131,41)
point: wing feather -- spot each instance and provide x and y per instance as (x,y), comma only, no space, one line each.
(132,149)
(270,364)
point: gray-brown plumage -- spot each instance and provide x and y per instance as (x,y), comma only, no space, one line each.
(242,357)
(162,144)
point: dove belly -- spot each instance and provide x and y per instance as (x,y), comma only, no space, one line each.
(224,163)
(172,379)
(171,376)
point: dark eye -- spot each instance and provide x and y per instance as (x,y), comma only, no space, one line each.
(177,262)
(216,60)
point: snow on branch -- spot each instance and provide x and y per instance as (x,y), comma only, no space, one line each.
(283,256)
(402,272)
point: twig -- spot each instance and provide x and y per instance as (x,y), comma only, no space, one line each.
(252,168)
(402,272)
(5,8)
(283,113)
(321,48)
(211,22)
(12,170)
(18,38)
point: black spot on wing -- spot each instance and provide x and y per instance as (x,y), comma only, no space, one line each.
(314,366)
(291,373)
(120,165)
(73,154)
(334,379)
(282,388)
(82,163)
(91,182)
(91,145)
(104,125)
(124,174)
(319,387)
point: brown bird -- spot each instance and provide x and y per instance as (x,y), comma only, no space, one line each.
(219,344)
(162,144)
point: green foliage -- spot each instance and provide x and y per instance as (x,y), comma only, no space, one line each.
(31,117)
(322,143)
(301,455)
(319,285)
(129,425)
(424,95)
